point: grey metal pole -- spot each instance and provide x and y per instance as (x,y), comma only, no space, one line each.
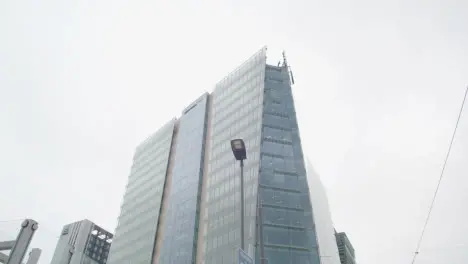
(34,256)
(28,228)
(260,225)
(242,203)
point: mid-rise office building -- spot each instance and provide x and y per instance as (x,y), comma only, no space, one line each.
(182,200)
(345,248)
(82,242)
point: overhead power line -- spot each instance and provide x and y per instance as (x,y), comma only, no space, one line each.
(12,220)
(418,247)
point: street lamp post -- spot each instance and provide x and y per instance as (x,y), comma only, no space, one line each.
(238,149)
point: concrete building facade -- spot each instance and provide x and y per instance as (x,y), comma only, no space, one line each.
(82,242)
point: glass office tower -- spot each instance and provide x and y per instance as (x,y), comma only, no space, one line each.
(178,244)
(236,112)
(288,226)
(134,241)
(193,213)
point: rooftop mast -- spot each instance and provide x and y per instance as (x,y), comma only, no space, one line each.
(286,66)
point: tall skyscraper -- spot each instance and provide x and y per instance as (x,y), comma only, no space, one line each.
(182,201)
(345,248)
(82,242)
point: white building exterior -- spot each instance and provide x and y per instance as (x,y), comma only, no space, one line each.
(328,248)
(82,242)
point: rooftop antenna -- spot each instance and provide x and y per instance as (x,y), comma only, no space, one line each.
(285,61)
(285,65)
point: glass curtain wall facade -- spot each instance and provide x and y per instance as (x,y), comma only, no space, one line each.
(191,158)
(236,113)
(255,103)
(182,211)
(288,228)
(139,214)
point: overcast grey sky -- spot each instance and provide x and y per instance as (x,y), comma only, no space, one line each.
(378,88)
